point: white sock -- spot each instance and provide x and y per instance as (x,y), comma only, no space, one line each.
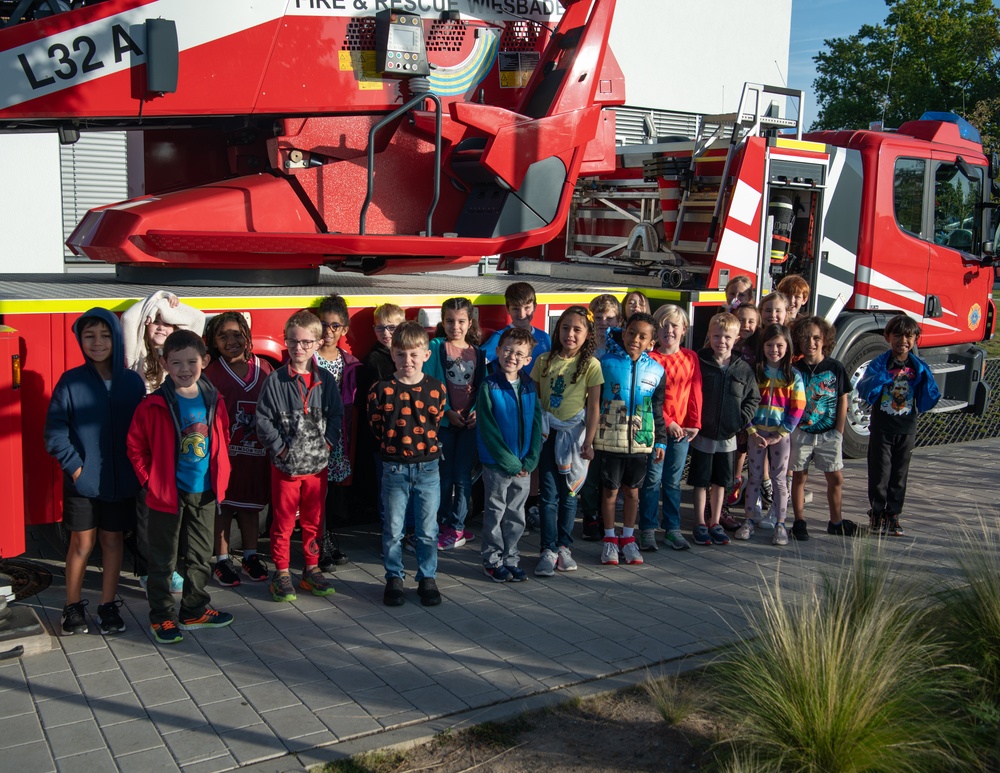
(628,531)
(222,557)
(610,533)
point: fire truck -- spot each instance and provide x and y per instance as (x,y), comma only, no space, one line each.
(390,137)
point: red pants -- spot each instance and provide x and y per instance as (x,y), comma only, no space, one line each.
(304,495)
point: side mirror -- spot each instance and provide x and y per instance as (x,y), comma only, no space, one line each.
(994,165)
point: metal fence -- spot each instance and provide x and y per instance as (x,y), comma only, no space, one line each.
(941,428)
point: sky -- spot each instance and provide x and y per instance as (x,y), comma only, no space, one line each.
(814,21)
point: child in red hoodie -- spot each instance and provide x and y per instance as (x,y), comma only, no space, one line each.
(178,446)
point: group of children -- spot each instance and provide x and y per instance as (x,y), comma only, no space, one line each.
(610,408)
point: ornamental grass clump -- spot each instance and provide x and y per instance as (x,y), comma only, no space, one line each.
(845,676)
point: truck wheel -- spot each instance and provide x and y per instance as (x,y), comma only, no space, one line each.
(862,352)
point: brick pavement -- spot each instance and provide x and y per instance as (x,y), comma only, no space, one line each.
(290,685)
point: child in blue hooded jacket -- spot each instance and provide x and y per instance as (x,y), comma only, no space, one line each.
(898,385)
(86,430)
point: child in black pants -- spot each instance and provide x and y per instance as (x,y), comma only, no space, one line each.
(899,386)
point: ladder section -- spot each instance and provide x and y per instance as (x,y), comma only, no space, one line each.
(705,184)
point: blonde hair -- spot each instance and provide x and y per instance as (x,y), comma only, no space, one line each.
(740,279)
(669,312)
(388,310)
(605,303)
(307,320)
(726,321)
(409,335)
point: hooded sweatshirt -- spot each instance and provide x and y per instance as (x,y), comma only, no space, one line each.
(87,423)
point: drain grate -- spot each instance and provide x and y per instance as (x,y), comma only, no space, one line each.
(28,577)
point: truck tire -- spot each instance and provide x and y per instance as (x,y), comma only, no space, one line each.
(862,352)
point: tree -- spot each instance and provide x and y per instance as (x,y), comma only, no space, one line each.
(927,55)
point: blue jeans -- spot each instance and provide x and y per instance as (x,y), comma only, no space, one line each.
(381,505)
(557,505)
(459,457)
(401,484)
(667,473)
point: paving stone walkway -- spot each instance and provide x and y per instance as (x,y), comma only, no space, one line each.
(290,685)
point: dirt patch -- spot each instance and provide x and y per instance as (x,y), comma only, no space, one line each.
(621,731)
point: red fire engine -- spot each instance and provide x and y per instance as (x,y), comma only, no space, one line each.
(393,136)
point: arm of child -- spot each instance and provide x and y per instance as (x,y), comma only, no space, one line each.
(535,449)
(137,444)
(375,418)
(659,425)
(796,404)
(56,433)
(875,378)
(841,421)
(267,430)
(333,407)
(693,423)
(593,415)
(492,437)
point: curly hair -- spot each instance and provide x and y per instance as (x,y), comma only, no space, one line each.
(334,304)
(586,350)
(216,323)
(800,331)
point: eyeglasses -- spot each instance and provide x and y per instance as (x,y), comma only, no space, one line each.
(291,343)
(390,329)
(332,326)
(508,351)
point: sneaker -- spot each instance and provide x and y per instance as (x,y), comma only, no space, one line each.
(450,538)
(428,591)
(210,618)
(393,595)
(845,528)
(110,618)
(727,522)
(225,575)
(800,531)
(892,527)
(609,553)
(281,587)
(468,536)
(675,538)
(326,562)
(314,582)
(718,535)
(766,494)
(176,584)
(517,574)
(254,568)
(74,618)
(769,520)
(531,518)
(546,566)
(166,632)
(745,531)
(739,486)
(592,530)
(647,540)
(877,524)
(780,536)
(701,535)
(564,560)
(630,551)
(497,573)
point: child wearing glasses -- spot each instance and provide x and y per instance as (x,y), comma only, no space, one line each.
(299,416)
(509,438)
(345,368)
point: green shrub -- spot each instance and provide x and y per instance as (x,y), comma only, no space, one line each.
(845,677)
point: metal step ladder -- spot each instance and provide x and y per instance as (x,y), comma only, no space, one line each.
(751,119)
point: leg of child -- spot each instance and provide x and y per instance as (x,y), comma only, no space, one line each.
(223,522)
(901,451)
(466,454)
(312,500)
(164,537)
(448,465)
(195,551)
(112,550)
(670,488)
(699,498)
(755,477)
(799,480)
(81,545)
(608,497)
(778,453)
(426,496)
(494,508)
(249,523)
(834,495)
(630,511)
(548,483)
(141,534)
(512,523)
(717,495)
(284,505)
(879,467)
(395,494)
(649,495)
